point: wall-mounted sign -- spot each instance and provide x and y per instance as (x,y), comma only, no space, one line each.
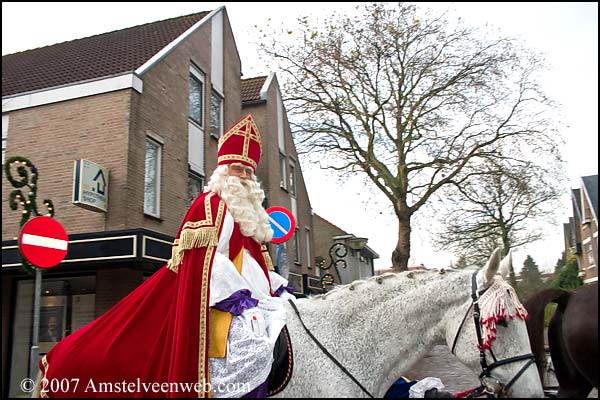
(90,186)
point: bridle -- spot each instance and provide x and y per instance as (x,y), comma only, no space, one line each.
(489,384)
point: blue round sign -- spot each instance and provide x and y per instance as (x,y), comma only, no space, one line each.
(282,222)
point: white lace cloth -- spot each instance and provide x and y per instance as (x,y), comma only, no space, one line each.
(250,344)
(249,349)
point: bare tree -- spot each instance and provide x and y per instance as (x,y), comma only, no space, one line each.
(503,206)
(411,102)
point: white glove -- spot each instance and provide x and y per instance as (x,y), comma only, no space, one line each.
(418,389)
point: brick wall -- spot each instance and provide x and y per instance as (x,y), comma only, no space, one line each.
(52,137)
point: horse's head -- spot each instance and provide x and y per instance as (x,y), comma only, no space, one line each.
(489,334)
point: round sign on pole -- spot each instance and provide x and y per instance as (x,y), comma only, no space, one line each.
(282,222)
(43,242)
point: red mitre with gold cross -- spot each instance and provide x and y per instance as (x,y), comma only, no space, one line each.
(241,143)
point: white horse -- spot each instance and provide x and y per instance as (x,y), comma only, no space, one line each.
(377,329)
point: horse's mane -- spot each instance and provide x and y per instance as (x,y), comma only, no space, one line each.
(498,302)
(402,278)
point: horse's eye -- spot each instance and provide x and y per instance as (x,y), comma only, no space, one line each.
(502,322)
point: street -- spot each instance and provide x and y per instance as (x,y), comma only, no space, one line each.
(440,363)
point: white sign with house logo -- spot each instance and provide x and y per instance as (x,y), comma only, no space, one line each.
(90,186)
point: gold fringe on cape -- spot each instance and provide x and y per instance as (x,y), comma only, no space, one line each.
(191,239)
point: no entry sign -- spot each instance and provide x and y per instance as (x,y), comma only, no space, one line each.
(43,242)
(282,222)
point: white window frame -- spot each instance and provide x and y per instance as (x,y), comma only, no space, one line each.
(282,171)
(292,178)
(159,143)
(297,255)
(215,94)
(308,258)
(198,75)
(191,176)
(4,136)
(589,251)
(280,127)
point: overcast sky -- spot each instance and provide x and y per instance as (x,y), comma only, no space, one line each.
(567,33)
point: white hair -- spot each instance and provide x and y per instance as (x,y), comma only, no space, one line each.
(244,199)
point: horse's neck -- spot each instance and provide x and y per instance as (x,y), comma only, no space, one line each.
(390,325)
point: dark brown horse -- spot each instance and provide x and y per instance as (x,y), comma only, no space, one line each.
(572,337)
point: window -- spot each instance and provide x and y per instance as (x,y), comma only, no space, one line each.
(296,247)
(590,253)
(195,186)
(152,178)
(308,258)
(196,96)
(283,182)
(216,115)
(66,305)
(293,178)
(4,136)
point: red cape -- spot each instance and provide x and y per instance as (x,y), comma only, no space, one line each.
(153,343)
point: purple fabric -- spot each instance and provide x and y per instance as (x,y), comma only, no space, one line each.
(279,291)
(259,392)
(237,302)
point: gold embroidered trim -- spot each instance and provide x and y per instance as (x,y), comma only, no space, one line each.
(249,126)
(207,211)
(237,157)
(202,373)
(196,234)
(267,257)
(204,301)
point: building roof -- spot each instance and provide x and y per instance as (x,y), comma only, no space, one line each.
(590,184)
(251,88)
(332,224)
(90,58)
(343,235)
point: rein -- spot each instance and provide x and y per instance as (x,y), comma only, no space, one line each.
(327,353)
(489,384)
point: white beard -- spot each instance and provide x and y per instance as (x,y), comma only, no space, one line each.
(243,198)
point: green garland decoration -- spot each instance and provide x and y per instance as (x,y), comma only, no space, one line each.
(27,179)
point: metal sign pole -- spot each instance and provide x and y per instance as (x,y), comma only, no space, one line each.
(35,349)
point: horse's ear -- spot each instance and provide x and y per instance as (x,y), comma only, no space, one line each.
(484,277)
(505,265)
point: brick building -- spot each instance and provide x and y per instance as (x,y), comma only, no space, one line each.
(581,232)
(147,104)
